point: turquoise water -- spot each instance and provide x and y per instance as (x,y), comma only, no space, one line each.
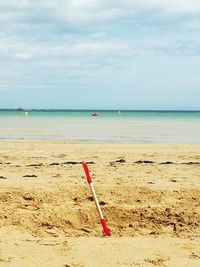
(114,126)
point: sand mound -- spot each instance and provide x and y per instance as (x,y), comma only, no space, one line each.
(130,211)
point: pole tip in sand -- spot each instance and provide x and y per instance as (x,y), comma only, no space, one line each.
(105,227)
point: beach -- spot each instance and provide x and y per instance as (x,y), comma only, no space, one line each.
(149,194)
(109,89)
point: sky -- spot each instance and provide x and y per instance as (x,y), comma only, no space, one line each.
(100,54)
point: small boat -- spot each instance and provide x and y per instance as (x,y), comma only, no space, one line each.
(94,114)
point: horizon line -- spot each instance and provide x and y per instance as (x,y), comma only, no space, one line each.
(100,110)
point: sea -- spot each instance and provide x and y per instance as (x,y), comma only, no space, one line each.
(107,126)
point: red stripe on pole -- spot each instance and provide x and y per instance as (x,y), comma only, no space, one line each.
(85,167)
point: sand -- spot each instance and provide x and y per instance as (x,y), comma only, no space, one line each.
(149,194)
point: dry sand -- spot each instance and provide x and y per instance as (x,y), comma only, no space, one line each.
(149,193)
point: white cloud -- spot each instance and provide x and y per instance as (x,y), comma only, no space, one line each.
(172,6)
(26,49)
(78,53)
(23,56)
(92,13)
(85,10)
(102,11)
(90,48)
(193,24)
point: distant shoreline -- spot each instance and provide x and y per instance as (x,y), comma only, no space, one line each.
(97,110)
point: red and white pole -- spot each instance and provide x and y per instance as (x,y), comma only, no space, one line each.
(89,180)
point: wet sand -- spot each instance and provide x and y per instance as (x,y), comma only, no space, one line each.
(149,194)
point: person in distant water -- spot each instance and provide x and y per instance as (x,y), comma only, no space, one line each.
(94,114)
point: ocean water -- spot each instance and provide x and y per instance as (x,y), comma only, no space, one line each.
(109,126)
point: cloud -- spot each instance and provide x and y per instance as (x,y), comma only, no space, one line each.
(44,38)
(23,56)
(82,54)
(101,11)
(193,24)
(86,15)
(185,7)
